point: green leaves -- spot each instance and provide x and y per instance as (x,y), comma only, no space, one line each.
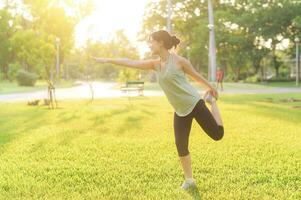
(238,24)
(33,51)
(28,32)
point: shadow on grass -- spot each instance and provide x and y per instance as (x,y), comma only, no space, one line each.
(145,111)
(268,105)
(194,193)
(100,119)
(14,124)
(130,123)
(5,138)
(238,99)
(288,113)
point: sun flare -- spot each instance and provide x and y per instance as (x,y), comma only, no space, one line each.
(112,15)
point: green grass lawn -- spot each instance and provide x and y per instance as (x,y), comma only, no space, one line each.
(232,85)
(282,84)
(121,149)
(7,87)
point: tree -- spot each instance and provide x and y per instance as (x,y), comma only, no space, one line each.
(242,29)
(33,50)
(6,31)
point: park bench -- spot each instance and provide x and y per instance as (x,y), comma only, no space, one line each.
(133,86)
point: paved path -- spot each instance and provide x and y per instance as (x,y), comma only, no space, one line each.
(106,90)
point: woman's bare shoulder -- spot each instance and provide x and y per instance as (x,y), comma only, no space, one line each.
(178,59)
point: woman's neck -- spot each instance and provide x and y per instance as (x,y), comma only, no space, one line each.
(164,55)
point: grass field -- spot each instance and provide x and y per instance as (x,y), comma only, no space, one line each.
(7,87)
(233,85)
(121,149)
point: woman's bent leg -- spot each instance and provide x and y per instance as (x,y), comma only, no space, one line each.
(216,114)
(206,120)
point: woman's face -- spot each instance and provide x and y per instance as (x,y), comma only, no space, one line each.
(154,45)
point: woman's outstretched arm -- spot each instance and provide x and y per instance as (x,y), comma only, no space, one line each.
(137,64)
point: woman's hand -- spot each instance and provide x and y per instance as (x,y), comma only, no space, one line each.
(213,92)
(100,60)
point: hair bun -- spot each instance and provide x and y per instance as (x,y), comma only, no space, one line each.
(168,40)
(175,40)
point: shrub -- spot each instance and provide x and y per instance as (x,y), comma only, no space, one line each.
(252,79)
(25,78)
(127,75)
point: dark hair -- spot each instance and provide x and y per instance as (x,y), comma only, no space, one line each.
(168,40)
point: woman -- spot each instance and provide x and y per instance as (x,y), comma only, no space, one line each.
(185,99)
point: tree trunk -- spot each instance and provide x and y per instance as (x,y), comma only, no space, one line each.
(237,74)
(275,60)
(261,74)
(277,71)
(5,71)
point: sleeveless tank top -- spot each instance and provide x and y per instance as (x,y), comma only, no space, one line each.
(179,92)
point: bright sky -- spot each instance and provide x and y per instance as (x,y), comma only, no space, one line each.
(112,15)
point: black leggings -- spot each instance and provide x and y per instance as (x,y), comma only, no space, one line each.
(205,119)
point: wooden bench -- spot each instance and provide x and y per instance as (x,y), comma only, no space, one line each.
(133,86)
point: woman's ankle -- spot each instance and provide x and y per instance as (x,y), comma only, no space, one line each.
(189,180)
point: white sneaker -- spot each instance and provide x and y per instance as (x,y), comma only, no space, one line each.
(208,97)
(187,184)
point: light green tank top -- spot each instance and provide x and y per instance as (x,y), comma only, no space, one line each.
(180,93)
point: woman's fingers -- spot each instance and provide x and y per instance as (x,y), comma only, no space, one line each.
(214,93)
(100,60)
(92,57)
